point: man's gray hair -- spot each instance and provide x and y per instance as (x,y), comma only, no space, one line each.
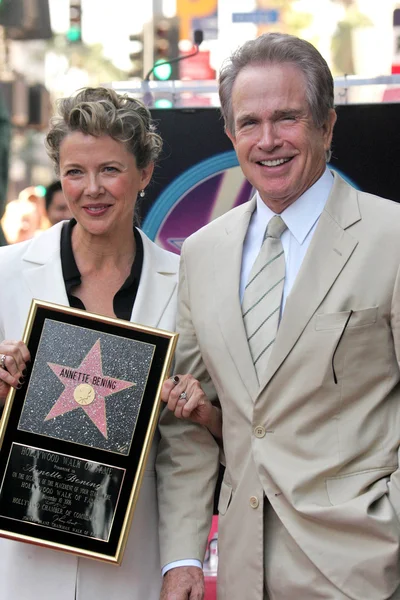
(278,48)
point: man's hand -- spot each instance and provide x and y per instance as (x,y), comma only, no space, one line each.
(183,583)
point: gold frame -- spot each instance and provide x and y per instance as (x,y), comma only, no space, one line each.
(165,343)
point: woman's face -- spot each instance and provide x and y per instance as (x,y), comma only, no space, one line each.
(101,182)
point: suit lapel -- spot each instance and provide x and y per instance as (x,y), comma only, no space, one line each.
(41,267)
(329,251)
(157,284)
(227,264)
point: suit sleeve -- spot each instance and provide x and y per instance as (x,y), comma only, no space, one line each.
(188,458)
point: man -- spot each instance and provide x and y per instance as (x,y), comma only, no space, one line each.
(56,205)
(310,499)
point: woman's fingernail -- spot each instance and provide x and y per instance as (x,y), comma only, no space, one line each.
(24,372)
(21,380)
(19,386)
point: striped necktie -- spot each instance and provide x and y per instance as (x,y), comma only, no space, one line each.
(263,295)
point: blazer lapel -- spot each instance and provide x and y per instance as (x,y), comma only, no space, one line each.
(227,264)
(42,273)
(329,251)
(41,267)
(157,284)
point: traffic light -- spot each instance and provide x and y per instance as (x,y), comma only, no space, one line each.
(26,20)
(74,33)
(136,55)
(166,38)
(39,111)
(15,94)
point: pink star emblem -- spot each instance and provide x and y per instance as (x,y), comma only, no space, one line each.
(86,387)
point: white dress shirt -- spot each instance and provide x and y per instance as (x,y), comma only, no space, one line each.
(301,219)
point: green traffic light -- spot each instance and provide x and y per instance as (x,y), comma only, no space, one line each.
(162,70)
(74,34)
(163,103)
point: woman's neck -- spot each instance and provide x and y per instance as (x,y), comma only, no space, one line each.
(102,252)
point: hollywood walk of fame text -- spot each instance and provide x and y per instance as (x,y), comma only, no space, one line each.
(60,492)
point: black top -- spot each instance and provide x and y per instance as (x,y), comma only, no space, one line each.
(124,299)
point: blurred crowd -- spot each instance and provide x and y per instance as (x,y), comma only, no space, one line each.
(33,212)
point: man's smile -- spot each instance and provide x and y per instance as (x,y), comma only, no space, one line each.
(274,163)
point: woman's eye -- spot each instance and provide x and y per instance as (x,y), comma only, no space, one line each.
(73,172)
(110,169)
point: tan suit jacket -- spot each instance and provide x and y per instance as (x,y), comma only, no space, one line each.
(325,455)
(33,270)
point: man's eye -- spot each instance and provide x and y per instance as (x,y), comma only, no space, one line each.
(247,123)
(288,118)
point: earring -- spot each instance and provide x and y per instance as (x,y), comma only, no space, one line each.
(142,193)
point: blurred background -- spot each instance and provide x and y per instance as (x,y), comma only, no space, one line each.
(50,48)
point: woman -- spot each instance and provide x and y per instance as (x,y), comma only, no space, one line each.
(103,147)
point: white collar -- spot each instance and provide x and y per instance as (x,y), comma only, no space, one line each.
(301,216)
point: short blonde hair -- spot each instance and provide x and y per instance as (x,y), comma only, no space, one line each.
(101,111)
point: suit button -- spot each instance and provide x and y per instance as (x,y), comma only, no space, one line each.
(259,431)
(254,502)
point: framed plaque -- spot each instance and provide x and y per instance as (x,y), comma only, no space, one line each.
(75,438)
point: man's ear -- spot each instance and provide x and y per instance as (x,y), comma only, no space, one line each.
(231,136)
(328,128)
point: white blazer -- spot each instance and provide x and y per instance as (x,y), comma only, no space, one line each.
(33,270)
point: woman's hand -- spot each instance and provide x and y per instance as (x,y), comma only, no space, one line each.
(13,359)
(186,399)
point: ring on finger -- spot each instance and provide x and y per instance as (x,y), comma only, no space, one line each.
(175,379)
(183,396)
(3,361)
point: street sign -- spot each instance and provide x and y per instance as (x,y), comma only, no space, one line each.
(256,16)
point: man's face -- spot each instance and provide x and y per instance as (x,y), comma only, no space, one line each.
(58,209)
(280,150)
